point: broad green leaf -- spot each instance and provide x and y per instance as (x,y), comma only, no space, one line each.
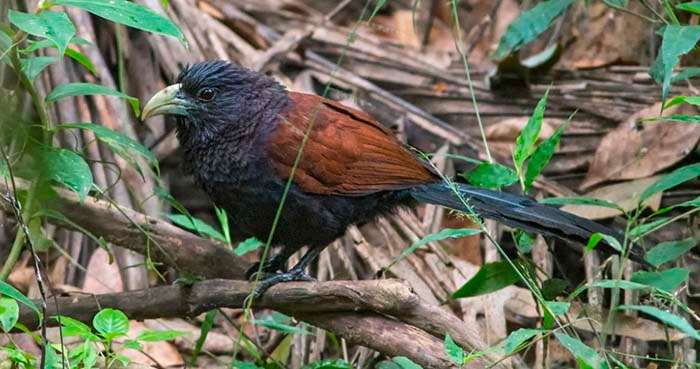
(523,241)
(251,244)
(541,157)
(244,365)
(87,89)
(529,25)
(580,200)
(692,6)
(197,225)
(204,329)
(441,235)
(517,339)
(597,237)
(82,59)
(553,287)
(31,67)
(667,280)
(670,319)
(9,313)
(490,277)
(525,143)
(580,351)
(492,175)
(329,364)
(558,307)
(676,41)
(453,351)
(9,291)
(132,344)
(111,323)
(669,251)
(406,363)
(154,336)
(66,167)
(119,143)
(55,26)
(280,322)
(673,179)
(128,13)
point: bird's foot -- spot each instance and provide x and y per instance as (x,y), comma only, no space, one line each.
(295,274)
(269,269)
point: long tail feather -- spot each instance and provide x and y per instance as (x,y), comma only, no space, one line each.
(519,212)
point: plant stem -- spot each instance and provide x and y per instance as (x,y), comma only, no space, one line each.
(19,241)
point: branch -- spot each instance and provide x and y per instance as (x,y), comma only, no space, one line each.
(359,311)
(166,243)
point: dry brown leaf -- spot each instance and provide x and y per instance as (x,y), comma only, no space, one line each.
(101,276)
(501,136)
(604,36)
(625,195)
(398,27)
(637,150)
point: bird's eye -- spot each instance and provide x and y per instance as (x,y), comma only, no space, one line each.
(206,94)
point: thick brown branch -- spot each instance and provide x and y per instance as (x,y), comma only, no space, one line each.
(165,242)
(360,311)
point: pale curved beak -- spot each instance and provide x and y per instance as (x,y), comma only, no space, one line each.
(166,101)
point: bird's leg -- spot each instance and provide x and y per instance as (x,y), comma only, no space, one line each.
(271,266)
(297,273)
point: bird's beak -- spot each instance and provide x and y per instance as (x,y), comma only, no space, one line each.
(165,101)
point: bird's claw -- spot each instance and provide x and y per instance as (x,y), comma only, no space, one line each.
(293,275)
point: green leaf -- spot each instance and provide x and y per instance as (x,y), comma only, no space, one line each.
(693,7)
(645,228)
(667,280)
(611,283)
(677,100)
(251,244)
(517,339)
(88,89)
(597,237)
(525,143)
(558,307)
(673,179)
(453,351)
(74,328)
(280,322)
(491,175)
(119,143)
(676,41)
(155,336)
(616,3)
(197,225)
(541,157)
(680,118)
(55,26)
(580,351)
(9,313)
(406,363)
(490,277)
(551,288)
(433,237)
(9,291)
(82,59)
(329,364)
(111,323)
(128,13)
(580,200)
(523,241)
(244,365)
(31,67)
(529,25)
(206,326)
(685,74)
(668,251)
(132,344)
(669,319)
(66,167)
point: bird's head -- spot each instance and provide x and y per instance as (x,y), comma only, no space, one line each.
(216,96)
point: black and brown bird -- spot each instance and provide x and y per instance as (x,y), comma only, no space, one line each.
(241,133)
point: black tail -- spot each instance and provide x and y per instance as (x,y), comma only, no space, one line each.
(520,212)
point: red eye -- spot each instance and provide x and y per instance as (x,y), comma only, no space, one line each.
(206,94)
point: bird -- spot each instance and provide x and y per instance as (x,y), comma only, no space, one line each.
(242,133)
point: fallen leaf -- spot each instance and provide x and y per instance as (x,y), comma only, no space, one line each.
(101,276)
(625,195)
(637,150)
(162,352)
